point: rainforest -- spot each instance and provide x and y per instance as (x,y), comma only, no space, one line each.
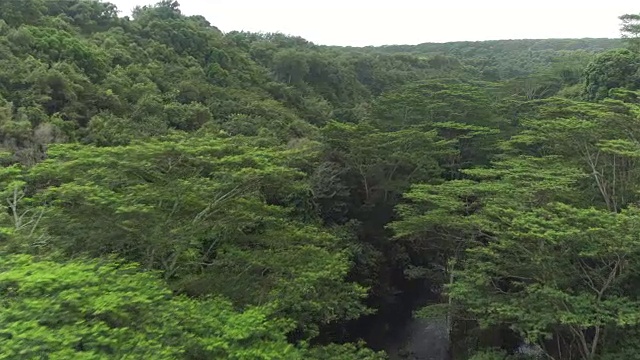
(171,191)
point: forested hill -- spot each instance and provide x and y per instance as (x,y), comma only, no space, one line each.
(175,192)
(504,59)
(480,48)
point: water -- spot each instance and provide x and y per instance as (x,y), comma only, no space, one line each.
(421,339)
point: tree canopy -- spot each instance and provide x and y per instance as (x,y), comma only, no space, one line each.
(175,192)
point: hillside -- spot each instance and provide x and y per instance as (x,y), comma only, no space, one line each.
(505,59)
(473,48)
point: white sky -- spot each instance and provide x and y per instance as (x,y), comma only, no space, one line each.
(375,22)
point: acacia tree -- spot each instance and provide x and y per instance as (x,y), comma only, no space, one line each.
(385,162)
(215,215)
(541,241)
(556,273)
(103,309)
(443,221)
(461,113)
(602,139)
(107,309)
(630,29)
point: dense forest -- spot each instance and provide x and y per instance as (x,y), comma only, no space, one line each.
(175,192)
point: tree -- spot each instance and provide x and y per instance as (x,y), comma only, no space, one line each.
(517,253)
(462,113)
(610,70)
(385,162)
(443,221)
(103,309)
(630,29)
(215,215)
(557,275)
(599,138)
(291,66)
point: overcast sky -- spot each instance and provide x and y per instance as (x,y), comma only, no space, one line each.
(374,22)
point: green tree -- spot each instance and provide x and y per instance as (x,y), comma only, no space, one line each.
(555,273)
(443,221)
(599,138)
(215,215)
(630,29)
(102,309)
(460,113)
(385,162)
(610,70)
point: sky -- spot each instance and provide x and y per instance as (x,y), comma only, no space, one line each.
(374,22)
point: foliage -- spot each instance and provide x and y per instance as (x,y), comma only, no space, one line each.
(521,245)
(630,30)
(63,311)
(610,70)
(215,215)
(506,59)
(291,195)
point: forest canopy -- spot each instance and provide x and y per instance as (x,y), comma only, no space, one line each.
(175,192)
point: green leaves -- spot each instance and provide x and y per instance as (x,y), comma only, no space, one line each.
(214,215)
(433,101)
(554,269)
(609,70)
(105,310)
(385,162)
(520,249)
(196,152)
